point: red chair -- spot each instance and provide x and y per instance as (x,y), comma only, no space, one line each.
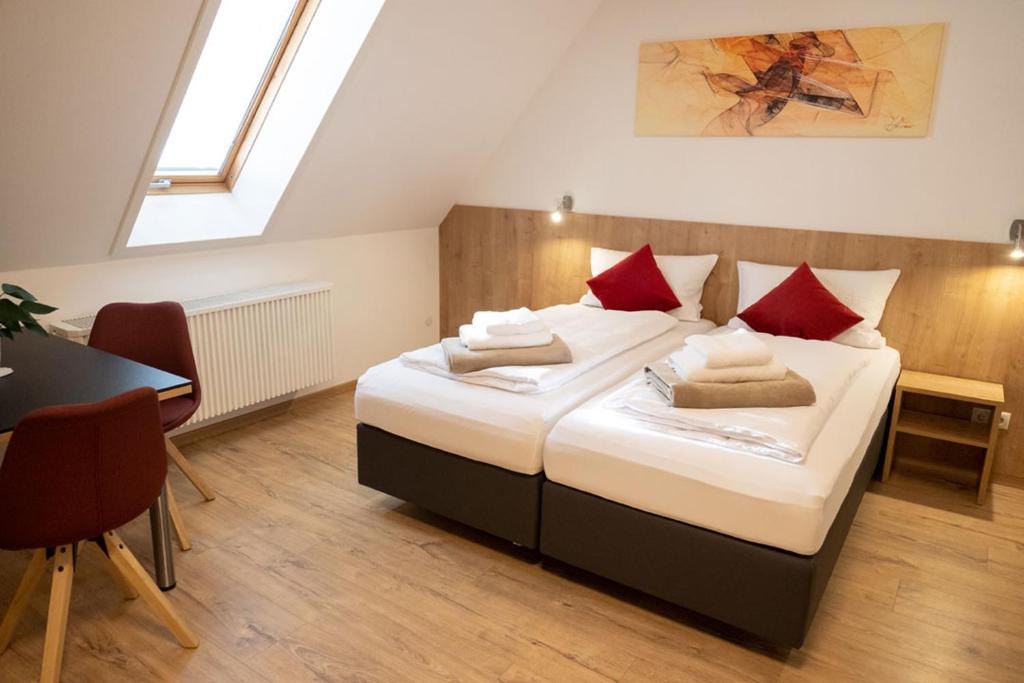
(157,335)
(77,473)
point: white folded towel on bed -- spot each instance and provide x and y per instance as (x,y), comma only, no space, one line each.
(782,433)
(593,334)
(690,365)
(516,321)
(739,347)
(476,338)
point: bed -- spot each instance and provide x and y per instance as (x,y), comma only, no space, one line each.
(474,453)
(745,539)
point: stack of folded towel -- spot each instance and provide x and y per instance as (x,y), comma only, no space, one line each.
(733,370)
(499,338)
(519,328)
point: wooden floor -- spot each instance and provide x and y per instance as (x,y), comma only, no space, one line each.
(300,574)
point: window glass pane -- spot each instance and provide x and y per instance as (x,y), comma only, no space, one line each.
(242,41)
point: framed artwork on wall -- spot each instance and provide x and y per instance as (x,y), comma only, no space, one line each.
(862,82)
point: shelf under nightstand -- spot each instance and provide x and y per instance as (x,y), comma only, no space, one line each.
(946,427)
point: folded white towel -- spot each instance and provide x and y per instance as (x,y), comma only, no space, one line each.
(516,321)
(475,338)
(690,366)
(738,347)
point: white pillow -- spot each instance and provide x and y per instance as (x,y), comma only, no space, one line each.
(863,291)
(685,275)
(859,335)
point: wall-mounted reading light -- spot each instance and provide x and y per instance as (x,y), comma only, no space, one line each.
(564,206)
(1017,236)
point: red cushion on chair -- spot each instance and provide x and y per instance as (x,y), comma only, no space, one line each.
(155,335)
(74,472)
(176,411)
(634,284)
(800,307)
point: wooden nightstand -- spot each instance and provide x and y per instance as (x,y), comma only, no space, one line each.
(944,427)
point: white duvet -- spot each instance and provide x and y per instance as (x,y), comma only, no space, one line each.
(782,433)
(593,335)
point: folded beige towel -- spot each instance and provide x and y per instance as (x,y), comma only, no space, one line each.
(461,359)
(790,392)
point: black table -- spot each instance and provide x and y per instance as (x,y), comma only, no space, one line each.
(50,371)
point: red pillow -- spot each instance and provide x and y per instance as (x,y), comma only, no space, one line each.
(634,284)
(800,307)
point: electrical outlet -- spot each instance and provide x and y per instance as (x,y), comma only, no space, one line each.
(981,416)
(1004,420)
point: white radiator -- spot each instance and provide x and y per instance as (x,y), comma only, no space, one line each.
(251,346)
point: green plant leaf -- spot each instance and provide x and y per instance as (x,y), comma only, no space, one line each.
(36,308)
(11,312)
(17,292)
(37,328)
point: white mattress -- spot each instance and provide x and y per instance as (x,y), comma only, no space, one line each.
(789,506)
(486,424)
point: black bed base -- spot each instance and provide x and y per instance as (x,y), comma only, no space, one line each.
(498,501)
(766,591)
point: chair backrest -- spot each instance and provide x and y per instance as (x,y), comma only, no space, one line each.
(75,472)
(152,334)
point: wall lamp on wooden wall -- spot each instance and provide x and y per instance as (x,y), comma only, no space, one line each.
(563,207)
(1016,236)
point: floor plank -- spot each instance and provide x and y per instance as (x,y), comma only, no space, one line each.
(299,574)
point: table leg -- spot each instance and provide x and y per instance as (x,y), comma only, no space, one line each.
(163,557)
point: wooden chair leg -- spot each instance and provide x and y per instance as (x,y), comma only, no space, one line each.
(187,469)
(127,589)
(22,597)
(136,575)
(177,521)
(57,616)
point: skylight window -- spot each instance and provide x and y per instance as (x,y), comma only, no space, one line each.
(242,64)
(211,196)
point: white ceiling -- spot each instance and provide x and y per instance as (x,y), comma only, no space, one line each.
(433,92)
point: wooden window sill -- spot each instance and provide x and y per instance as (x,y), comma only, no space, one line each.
(190,188)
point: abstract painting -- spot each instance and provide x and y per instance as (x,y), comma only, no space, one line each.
(869,82)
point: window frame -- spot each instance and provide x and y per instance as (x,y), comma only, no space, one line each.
(255,115)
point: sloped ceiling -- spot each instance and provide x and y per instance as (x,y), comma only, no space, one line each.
(82,85)
(431,95)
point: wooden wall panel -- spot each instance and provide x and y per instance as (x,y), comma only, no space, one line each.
(958,307)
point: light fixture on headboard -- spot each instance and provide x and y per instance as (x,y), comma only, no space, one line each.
(564,206)
(1016,236)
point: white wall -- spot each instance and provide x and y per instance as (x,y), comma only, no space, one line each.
(964,181)
(385,286)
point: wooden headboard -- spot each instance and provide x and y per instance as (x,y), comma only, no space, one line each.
(958,307)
